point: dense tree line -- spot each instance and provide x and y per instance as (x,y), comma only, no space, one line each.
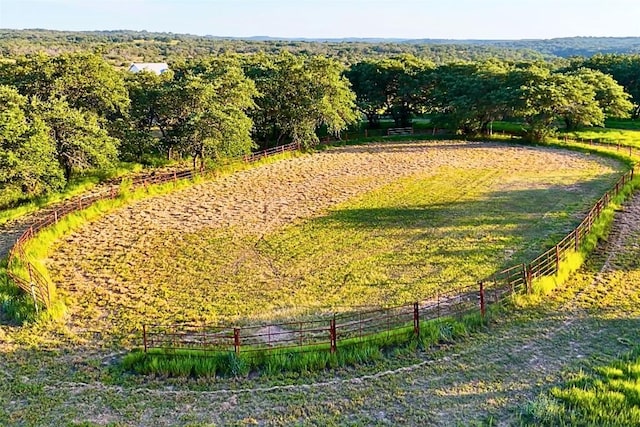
(62,114)
(121,48)
(468,96)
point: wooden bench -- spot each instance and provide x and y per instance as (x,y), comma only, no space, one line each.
(400,131)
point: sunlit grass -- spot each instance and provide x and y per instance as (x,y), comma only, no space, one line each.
(624,137)
(605,396)
(398,244)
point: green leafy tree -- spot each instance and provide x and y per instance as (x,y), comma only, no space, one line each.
(27,156)
(297,96)
(470,96)
(138,131)
(202,109)
(611,97)
(543,98)
(85,80)
(625,69)
(412,80)
(80,142)
(369,87)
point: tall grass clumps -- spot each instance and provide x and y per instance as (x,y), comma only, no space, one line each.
(15,305)
(271,362)
(607,396)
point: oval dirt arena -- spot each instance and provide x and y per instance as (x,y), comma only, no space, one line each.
(216,251)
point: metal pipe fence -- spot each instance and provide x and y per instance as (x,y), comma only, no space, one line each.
(328,333)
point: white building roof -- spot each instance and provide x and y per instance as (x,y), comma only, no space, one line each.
(153,67)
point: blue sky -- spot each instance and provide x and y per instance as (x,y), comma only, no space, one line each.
(453,19)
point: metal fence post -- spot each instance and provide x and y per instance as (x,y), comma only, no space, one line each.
(576,236)
(529,278)
(333,334)
(416,319)
(236,340)
(33,295)
(144,336)
(557,258)
(482,306)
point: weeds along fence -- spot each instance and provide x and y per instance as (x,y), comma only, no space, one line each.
(624,149)
(37,285)
(328,333)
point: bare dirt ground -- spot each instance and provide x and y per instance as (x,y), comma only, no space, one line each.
(490,375)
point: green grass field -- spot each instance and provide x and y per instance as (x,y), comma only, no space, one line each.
(403,242)
(604,395)
(624,137)
(515,372)
(616,131)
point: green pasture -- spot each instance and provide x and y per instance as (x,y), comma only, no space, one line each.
(403,242)
(624,137)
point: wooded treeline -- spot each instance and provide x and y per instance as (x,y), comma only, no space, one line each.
(63,114)
(120,47)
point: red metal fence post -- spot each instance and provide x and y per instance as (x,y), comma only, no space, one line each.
(416,319)
(482,306)
(236,340)
(30,272)
(333,334)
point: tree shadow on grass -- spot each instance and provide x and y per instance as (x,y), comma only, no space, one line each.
(526,222)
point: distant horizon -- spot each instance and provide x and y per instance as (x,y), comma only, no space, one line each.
(335,19)
(303,38)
